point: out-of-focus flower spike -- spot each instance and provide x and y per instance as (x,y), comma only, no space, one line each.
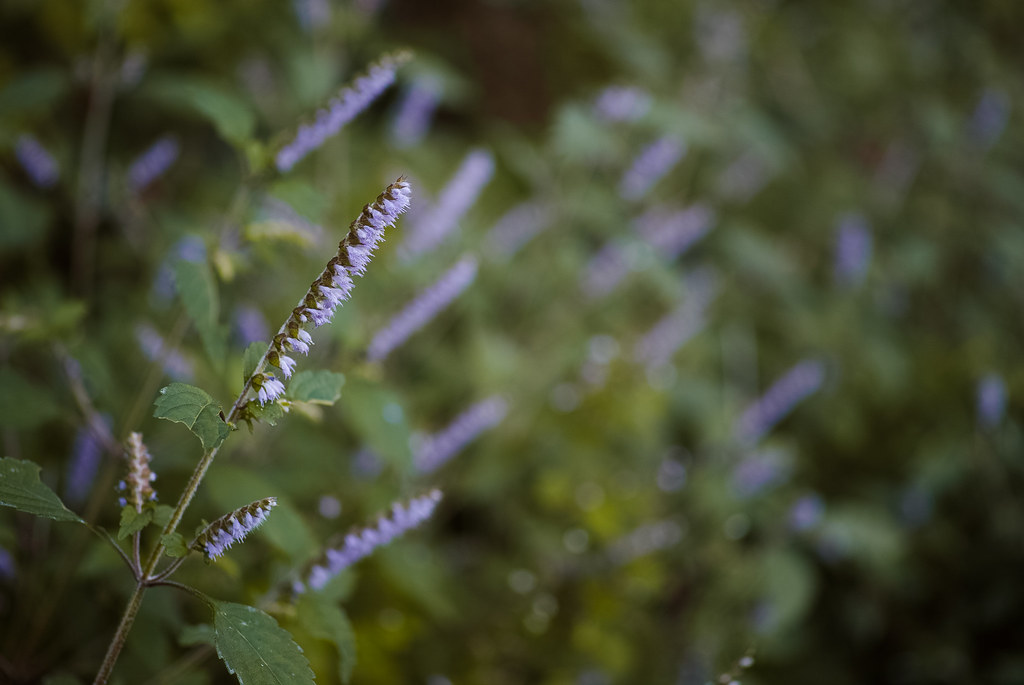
(434,451)
(340,110)
(622,103)
(152,343)
(37,161)
(415,112)
(421,310)
(853,250)
(799,382)
(138,484)
(359,544)
(152,163)
(671,232)
(85,462)
(650,166)
(516,227)
(991,400)
(217,537)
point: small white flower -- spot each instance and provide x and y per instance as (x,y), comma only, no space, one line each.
(270,390)
(298,345)
(286,364)
(227,530)
(334,296)
(319,316)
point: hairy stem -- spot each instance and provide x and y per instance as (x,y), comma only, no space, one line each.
(117,644)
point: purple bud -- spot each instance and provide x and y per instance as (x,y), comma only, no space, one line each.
(991,400)
(415,112)
(435,450)
(806,513)
(152,163)
(853,250)
(799,382)
(622,103)
(759,472)
(656,160)
(990,117)
(37,161)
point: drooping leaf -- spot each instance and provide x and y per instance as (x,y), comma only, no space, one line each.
(251,358)
(325,620)
(316,387)
(256,649)
(174,545)
(21,489)
(198,292)
(199,412)
(133,521)
(228,113)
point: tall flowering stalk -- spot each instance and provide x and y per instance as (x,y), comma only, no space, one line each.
(799,382)
(434,451)
(153,162)
(421,310)
(853,250)
(656,160)
(516,227)
(671,232)
(37,161)
(342,109)
(217,537)
(415,112)
(138,484)
(357,545)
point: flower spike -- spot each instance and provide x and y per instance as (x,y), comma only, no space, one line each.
(138,483)
(217,537)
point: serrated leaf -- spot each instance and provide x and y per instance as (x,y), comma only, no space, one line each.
(174,545)
(251,358)
(327,621)
(256,649)
(229,114)
(316,387)
(199,412)
(133,521)
(162,514)
(198,291)
(21,489)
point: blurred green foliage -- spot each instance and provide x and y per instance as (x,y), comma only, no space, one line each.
(879,543)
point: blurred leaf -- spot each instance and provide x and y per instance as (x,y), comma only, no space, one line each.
(22,403)
(21,489)
(199,634)
(199,412)
(256,649)
(133,521)
(367,408)
(23,220)
(198,291)
(33,90)
(327,621)
(174,545)
(251,358)
(228,113)
(317,387)
(162,514)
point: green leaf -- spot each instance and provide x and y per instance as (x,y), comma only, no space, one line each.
(26,219)
(327,621)
(199,412)
(269,413)
(316,387)
(256,649)
(133,521)
(199,634)
(228,113)
(23,404)
(35,90)
(198,292)
(251,358)
(174,545)
(21,489)
(162,514)
(375,414)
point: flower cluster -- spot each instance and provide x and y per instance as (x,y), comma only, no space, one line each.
(138,484)
(217,537)
(435,450)
(853,250)
(358,545)
(656,160)
(422,309)
(796,384)
(152,163)
(333,286)
(672,232)
(341,110)
(991,400)
(37,161)
(622,103)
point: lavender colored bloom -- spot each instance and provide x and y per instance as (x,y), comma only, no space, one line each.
(853,250)
(37,161)
(435,450)
(250,325)
(516,227)
(622,103)
(806,512)
(152,344)
(759,472)
(605,270)
(152,163)
(269,388)
(415,112)
(220,535)
(421,310)
(644,540)
(991,400)
(86,455)
(7,568)
(799,382)
(673,232)
(358,545)
(656,347)
(138,483)
(455,200)
(342,109)
(990,117)
(656,160)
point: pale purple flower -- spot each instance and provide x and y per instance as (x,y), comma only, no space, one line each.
(423,308)
(656,347)
(37,161)
(152,344)
(991,400)
(644,540)
(435,450)
(744,177)
(455,200)
(301,341)
(250,325)
(605,270)
(359,544)
(329,507)
(799,382)
(990,117)
(853,250)
(220,535)
(269,389)
(760,471)
(415,112)
(138,483)
(342,109)
(312,14)
(622,103)
(807,512)
(672,232)
(152,163)
(516,227)
(8,570)
(650,166)
(86,455)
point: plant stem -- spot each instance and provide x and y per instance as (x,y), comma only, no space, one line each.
(117,644)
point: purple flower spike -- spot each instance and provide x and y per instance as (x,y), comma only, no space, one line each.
(37,161)
(622,103)
(435,450)
(151,164)
(217,537)
(359,544)
(806,513)
(605,271)
(342,109)
(853,250)
(991,400)
(760,472)
(799,382)
(421,310)
(455,200)
(656,348)
(990,117)
(673,232)
(516,227)
(85,462)
(415,112)
(650,166)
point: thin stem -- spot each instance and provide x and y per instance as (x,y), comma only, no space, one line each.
(184,588)
(134,568)
(136,543)
(163,575)
(117,644)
